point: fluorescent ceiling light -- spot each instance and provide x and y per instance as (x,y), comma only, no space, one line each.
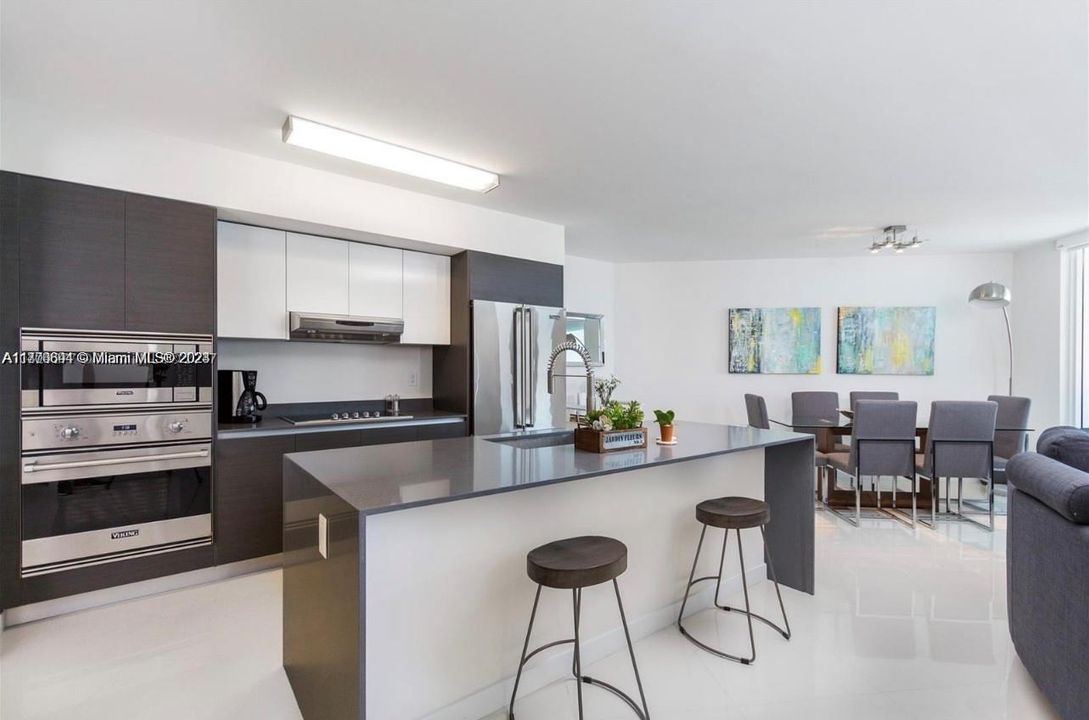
(333,141)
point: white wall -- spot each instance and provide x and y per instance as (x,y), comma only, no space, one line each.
(65,146)
(1037,317)
(320,372)
(671,327)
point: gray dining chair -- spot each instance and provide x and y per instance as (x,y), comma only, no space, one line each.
(1013,412)
(757,411)
(857,395)
(815,405)
(884,444)
(959,444)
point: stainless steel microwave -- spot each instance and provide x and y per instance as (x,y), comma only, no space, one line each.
(83,370)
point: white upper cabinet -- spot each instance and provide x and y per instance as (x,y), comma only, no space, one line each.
(264,274)
(250,282)
(374,281)
(427,299)
(317,274)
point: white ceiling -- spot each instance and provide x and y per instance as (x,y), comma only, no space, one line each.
(652,130)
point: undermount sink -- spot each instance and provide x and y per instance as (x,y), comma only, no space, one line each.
(537,440)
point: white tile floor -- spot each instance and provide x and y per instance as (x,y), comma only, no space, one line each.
(904,625)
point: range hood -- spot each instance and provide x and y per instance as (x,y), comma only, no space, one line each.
(345,328)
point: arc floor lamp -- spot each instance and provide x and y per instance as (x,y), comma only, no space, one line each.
(996,295)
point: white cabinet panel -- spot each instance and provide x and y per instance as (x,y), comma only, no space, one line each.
(251,268)
(427,299)
(374,281)
(317,274)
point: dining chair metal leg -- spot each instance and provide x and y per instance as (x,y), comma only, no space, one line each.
(858,503)
(833,476)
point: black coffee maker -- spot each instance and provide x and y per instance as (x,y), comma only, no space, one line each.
(239,401)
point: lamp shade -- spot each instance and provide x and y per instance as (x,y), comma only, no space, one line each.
(991,294)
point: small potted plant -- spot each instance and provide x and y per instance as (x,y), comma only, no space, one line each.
(664,418)
(615,426)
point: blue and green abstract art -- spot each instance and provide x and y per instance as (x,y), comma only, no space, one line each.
(784,341)
(886,341)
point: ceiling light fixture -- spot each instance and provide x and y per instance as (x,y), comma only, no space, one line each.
(362,149)
(893,241)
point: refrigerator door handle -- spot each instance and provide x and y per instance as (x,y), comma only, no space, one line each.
(531,368)
(519,375)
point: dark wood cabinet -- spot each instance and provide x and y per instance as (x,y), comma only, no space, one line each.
(248,507)
(305,442)
(71,255)
(170,269)
(383,435)
(442,430)
(97,259)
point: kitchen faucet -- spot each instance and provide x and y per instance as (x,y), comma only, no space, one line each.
(579,349)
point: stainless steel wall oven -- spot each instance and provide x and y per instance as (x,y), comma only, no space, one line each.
(108,476)
(68,368)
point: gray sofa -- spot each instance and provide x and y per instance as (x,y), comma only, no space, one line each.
(1047,566)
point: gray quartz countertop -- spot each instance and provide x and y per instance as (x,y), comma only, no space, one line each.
(385,478)
(272,424)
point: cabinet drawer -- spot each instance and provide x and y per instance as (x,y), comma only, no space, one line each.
(439,431)
(306,442)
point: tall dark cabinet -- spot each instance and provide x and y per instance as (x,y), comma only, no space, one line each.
(71,255)
(76,257)
(170,265)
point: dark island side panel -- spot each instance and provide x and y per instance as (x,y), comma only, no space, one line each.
(323,625)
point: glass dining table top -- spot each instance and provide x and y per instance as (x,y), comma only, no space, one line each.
(845,424)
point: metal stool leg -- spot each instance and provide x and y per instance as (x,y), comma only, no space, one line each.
(525,648)
(576,662)
(577,667)
(749,615)
(774,579)
(631,650)
(748,609)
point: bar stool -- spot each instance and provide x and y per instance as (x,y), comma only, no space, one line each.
(737,514)
(573,564)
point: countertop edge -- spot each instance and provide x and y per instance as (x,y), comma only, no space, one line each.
(790,437)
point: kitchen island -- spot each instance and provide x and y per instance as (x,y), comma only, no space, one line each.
(405,594)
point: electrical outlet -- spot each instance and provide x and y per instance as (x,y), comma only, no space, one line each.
(413,378)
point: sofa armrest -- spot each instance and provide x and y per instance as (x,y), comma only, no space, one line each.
(1062,488)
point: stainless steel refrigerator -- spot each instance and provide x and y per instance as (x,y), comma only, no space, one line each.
(511,347)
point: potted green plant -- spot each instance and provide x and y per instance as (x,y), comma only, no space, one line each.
(664,418)
(614,426)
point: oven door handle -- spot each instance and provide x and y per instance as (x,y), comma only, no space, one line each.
(35,467)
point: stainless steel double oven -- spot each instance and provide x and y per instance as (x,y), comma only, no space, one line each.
(116,446)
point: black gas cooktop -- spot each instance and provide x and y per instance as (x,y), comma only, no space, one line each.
(338,418)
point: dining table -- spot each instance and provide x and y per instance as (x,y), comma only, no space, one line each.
(830,431)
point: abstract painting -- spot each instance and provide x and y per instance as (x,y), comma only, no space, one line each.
(775,340)
(886,341)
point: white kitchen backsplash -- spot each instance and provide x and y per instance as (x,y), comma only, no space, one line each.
(330,372)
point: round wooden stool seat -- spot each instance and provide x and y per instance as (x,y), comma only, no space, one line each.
(577,562)
(733,513)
